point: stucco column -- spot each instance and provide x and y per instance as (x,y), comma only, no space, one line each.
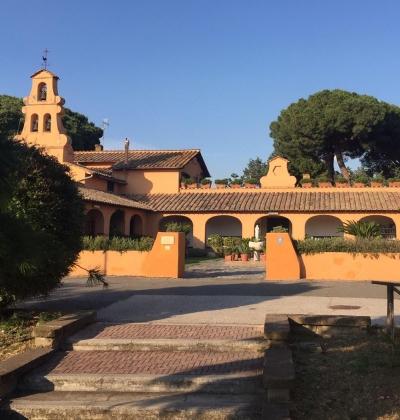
(107,212)
(298,225)
(127,222)
(199,230)
(248,224)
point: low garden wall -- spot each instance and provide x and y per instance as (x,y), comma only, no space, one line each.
(165,259)
(357,260)
(344,266)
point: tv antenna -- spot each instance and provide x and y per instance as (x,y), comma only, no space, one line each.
(104,125)
(44,58)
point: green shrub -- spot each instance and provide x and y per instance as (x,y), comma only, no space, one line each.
(205,181)
(361,229)
(279,229)
(224,181)
(41,219)
(177,227)
(252,181)
(216,243)
(117,243)
(306,181)
(236,182)
(341,180)
(359,246)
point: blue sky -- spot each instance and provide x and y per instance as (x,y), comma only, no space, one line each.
(208,74)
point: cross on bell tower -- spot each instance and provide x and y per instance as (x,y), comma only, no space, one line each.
(43,111)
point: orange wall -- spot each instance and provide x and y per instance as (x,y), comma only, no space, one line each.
(344,266)
(166,259)
(146,182)
(281,258)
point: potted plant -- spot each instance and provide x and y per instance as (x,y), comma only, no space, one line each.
(377,181)
(394,182)
(190,183)
(306,183)
(251,183)
(244,250)
(221,183)
(324,181)
(236,183)
(341,182)
(360,181)
(228,254)
(205,183)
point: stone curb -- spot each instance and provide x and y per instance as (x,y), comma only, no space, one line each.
(16,366)
(54,332)
(276,328)
(329,325)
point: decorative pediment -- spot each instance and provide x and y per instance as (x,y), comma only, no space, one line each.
(278,175)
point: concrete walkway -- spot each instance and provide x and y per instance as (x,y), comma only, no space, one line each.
(216,292)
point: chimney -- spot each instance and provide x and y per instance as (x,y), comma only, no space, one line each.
(98,147)
(126,144)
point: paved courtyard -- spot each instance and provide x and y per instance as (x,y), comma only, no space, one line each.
(215,292)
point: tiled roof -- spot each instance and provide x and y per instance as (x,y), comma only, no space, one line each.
(104,173)
(271,201)
(103,197)
(142,159)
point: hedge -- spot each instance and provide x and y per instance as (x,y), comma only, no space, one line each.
(117,243)
(357,246)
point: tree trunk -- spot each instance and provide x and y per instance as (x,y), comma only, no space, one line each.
(340,161)
(329,166)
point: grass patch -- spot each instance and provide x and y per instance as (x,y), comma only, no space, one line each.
(16,330)
(196,260)
(356,378)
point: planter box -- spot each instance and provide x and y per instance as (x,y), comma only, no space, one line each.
(342,185)
(307,185)
(324,184)
(205,186)
(250,185)
(346,266)
(228,257)
(376,184)
(244,257)
(220,186)
(395,184)
(191,186)
(358,185)
(236,186)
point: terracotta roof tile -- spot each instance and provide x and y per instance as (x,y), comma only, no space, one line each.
(296,201)
(96,196)
(142,159)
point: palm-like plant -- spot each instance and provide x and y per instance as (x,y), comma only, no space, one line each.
(361,229)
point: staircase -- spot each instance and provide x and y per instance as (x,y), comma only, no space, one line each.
(150,371)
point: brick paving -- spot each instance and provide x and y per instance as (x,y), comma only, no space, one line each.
(160,362)
(195,332)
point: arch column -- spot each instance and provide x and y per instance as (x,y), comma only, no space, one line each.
(199,230)
(127,222)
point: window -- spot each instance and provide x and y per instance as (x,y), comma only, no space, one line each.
(110,186)
(47,122)
(42,92)
(34,123)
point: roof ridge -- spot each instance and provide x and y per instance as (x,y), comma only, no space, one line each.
(137,150)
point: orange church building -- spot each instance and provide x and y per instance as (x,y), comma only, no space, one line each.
(132,192)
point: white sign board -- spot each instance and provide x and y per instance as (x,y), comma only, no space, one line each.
(167,240)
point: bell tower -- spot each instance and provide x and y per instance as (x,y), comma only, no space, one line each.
(43,111)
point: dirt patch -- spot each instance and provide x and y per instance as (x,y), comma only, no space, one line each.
(16,330)
(347,378)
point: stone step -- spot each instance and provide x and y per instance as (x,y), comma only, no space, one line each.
(57,405)
(126,344)
(133,336)
(149,371)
